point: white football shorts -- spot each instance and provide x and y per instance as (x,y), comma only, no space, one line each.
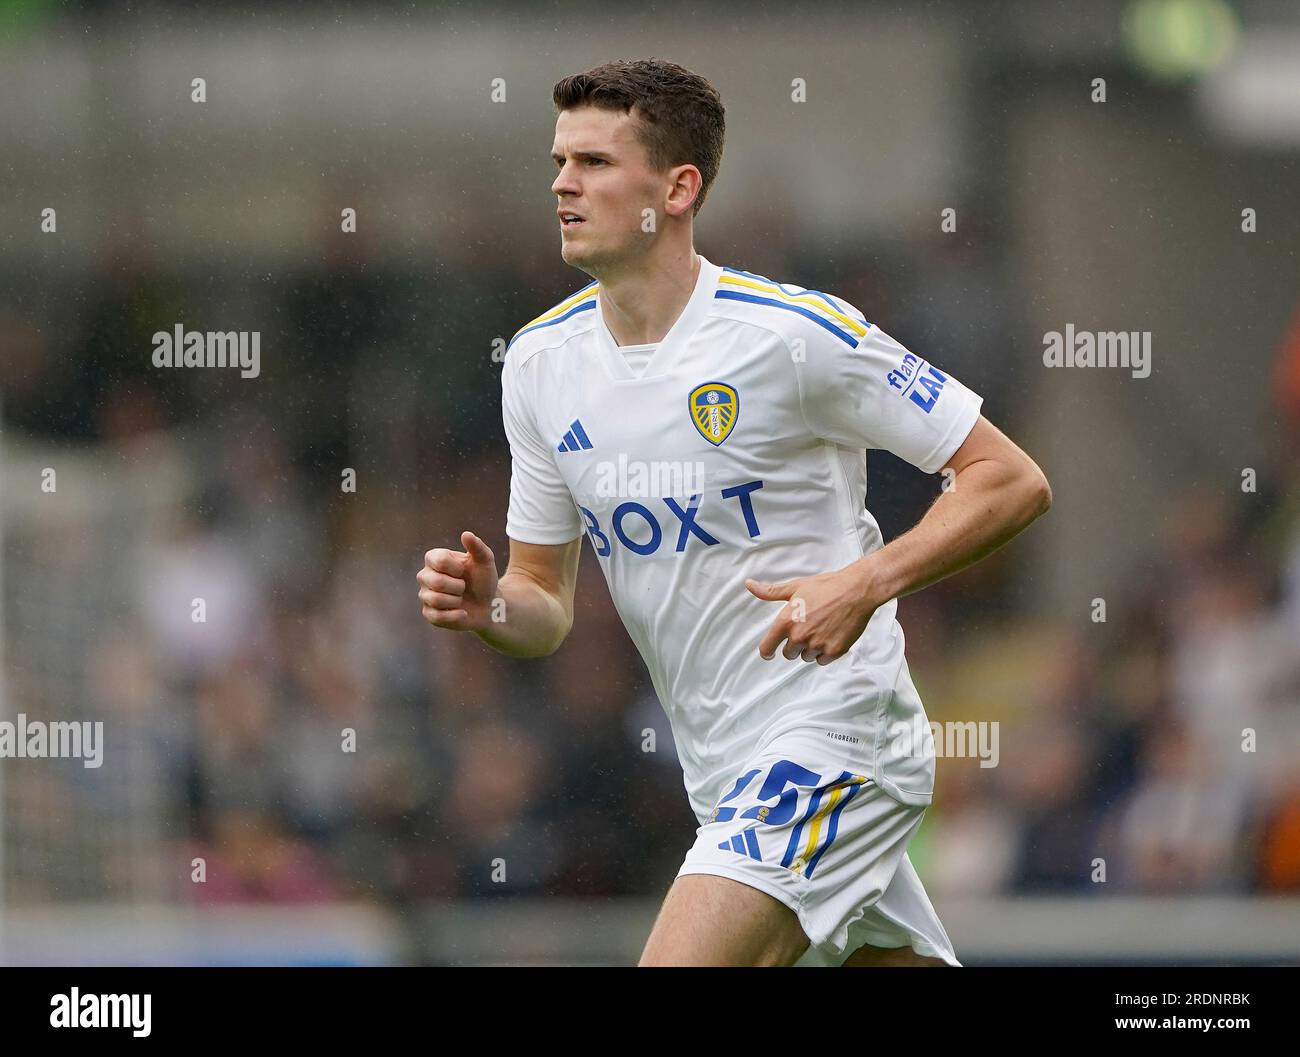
(828,843)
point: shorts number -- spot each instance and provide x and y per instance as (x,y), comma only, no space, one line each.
(782,784)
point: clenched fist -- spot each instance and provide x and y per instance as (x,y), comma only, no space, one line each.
(457,587)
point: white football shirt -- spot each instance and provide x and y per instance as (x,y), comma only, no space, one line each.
(737,452)
(637,356)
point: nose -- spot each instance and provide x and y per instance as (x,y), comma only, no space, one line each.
(565,183)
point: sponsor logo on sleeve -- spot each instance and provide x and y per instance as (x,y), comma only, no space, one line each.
(915,379)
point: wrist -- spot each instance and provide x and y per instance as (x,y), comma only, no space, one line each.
(871,580)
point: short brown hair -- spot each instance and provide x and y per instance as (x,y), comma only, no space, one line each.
(682,120)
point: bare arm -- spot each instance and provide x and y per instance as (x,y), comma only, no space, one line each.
(527,612)
(997,491)
(537,592)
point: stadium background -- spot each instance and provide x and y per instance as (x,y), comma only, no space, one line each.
(1119,740)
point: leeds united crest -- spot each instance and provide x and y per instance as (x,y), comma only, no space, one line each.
(714,407)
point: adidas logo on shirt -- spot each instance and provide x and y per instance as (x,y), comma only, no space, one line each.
(575,439)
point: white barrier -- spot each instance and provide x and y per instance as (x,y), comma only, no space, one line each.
(1130,930)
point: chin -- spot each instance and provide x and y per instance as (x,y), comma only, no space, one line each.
(574,255)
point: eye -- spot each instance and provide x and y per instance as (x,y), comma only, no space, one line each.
(595,161)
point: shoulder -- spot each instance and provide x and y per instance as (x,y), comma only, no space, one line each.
(561,322)
(787,308)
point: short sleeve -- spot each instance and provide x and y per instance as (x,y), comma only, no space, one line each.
(872,392)
(541,508)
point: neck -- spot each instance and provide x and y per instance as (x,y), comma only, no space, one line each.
(642,302)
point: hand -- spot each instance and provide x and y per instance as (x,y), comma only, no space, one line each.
(824,615)
(457,588)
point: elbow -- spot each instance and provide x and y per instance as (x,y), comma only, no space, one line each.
(557,638)
(537,648)
(1041,493)
(530,651)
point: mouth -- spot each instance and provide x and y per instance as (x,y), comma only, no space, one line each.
(569,221)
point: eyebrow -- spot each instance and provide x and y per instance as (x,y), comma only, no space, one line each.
(581,154)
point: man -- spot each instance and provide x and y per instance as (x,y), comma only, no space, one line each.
(747,571)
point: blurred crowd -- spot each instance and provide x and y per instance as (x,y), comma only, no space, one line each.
(1126,747)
